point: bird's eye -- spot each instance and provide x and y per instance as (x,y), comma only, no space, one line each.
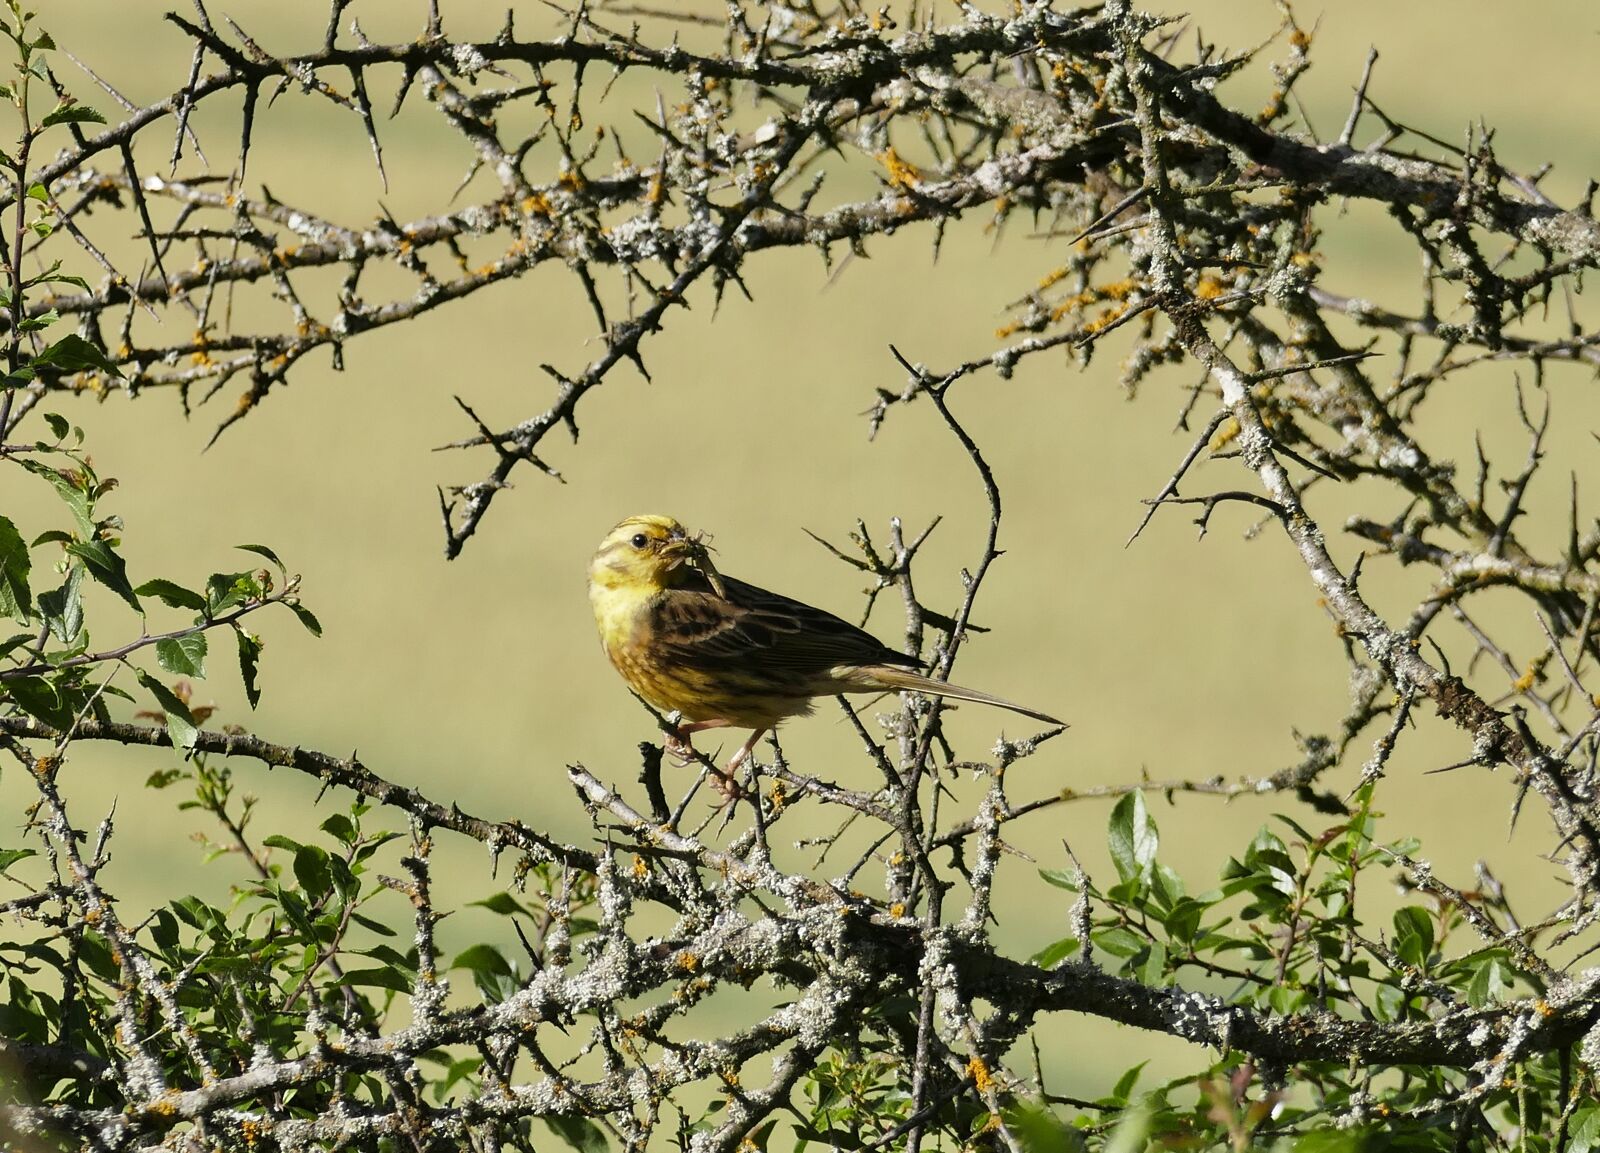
(639,540)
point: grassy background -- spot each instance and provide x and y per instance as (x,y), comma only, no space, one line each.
(478,680)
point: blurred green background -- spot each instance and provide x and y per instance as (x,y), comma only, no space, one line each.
(479,680)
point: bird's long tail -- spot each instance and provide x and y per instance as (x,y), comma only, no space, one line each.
(890,677)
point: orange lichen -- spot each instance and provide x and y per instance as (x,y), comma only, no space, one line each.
(1119,290)
(1225,434)
(1105,320)
(982,1079)
(1051,278)
(901,174)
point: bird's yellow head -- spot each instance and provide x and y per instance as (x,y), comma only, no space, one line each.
(649,552)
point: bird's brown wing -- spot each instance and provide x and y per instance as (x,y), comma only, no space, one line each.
(753,627)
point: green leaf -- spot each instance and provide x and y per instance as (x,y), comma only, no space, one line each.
(54,276)
(579,1133)
(1132,1132)
(491,972)
(197,914)
(1153,969)
(307,618)
(164,929)
(1286,1001)
(503,903)
(173,595)
(341,828)
(1354,1140)
(263,550)
(381,978)
(1120,942)
(313,871)
(1388,1002)
(1061,879)
(482,958)
(9,857)
(1123,1089)
(1183,920)
(106,567)
(389,955)
(59,425)
(43,320)
(249,662)
(38,698)
(72,114)
(454,1072)
(1490,984)
(224,590)
(184,656)
(1037,1129)
(377,927)
(16,601)
(72,353)
(1132,838)
(1052,955)
(1413,935)
(97,954)
(62,608)
(1585,1130)
(180,722)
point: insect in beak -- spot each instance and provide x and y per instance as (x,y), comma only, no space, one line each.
(697,551)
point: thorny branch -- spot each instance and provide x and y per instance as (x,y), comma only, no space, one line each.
(1182,231)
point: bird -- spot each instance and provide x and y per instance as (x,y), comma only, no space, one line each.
(722,653)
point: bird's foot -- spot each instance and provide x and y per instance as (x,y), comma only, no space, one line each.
(728,786)
(726,781)
(678,747)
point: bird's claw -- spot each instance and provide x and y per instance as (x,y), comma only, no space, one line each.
(728,785)
(679,748)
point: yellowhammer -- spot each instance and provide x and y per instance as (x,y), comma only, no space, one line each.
(723,653)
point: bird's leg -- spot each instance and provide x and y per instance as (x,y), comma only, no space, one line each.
(677,744)
(739,758)
(726,781)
